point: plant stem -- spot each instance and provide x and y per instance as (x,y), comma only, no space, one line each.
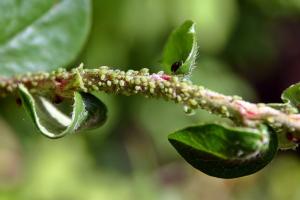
(159,85)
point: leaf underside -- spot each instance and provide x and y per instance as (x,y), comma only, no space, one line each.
(87,112)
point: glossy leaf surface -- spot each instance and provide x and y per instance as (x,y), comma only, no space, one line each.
(41,35)
(225,152)
(180,51)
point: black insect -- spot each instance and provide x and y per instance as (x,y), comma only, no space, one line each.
(57,99)
(175,66)
(19,102)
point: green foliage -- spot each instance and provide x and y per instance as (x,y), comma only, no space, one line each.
(292,96)
(220,151)
(47,35)
(225,152)
(214,149)
(180,51)
(62,27)
(87,112)
(41,35)
(240,34)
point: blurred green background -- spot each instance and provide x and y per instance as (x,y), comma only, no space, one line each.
(249,48)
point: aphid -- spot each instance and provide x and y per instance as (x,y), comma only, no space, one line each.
(175,66)
(166,77)
(57,99)
(19,101)
(292,138)
(289,136)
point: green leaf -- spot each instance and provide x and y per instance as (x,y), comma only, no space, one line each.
(225,152)
(292,96)
(180,51)
(87,112)
(40,35)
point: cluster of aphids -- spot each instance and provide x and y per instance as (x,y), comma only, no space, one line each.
(170,87)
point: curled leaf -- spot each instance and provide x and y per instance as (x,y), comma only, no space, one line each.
(225,152)
(87,112)
(180,51)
